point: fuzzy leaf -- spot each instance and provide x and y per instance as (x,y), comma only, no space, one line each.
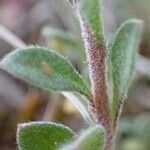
(42,136)
(93,13)
(122,59)
(45,69)
(91,139)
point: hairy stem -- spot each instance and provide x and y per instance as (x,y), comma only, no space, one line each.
(96,57)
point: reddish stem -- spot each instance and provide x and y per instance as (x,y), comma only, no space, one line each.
(96,57)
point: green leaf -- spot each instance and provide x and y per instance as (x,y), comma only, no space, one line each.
(45,69)
(42,136)
(61,36)
(122,57)
(90,139)
(93,11)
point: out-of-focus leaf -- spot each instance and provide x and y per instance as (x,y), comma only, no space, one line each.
(134,144)
(135,127)
(93,12)
(122,59)
(42,136)
(60,36)
(125,9)
(91,139)
(44,68)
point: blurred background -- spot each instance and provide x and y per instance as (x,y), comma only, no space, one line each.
(51,23)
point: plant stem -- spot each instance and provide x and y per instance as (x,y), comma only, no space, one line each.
(96,57)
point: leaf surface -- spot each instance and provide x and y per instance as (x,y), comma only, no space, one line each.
(45,69)
(122,58)
(90,139)
(42,136)
(92,10)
